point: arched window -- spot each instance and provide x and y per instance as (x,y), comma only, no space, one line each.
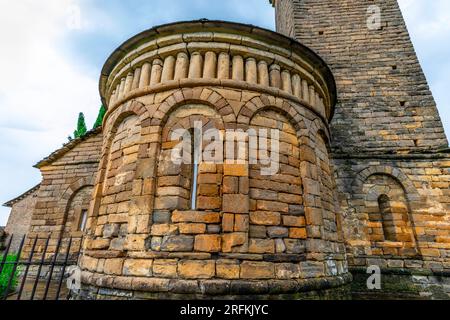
(384,205)
(76,212)
(188,183)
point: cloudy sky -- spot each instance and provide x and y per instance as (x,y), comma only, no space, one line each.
(52,52)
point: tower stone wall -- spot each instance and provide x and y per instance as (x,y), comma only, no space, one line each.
(387,138)
(384,99)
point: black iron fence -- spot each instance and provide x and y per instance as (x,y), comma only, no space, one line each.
(40,275)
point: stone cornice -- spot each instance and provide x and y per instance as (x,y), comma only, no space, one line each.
(218,51)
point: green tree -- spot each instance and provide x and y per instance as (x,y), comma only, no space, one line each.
(81,127)
(101,115)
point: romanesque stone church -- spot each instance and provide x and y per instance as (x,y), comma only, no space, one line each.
(363,177)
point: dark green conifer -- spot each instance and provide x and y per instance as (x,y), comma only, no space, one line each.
(81,126)
(101,114)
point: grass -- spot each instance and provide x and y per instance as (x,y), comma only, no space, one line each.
(6,274)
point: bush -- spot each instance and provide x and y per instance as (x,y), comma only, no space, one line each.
(6,274)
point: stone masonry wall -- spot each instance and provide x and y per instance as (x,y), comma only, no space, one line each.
(262,230)
(20,219)
(66,182)
(420,202)
(386,134)
(384,100)
(241,233)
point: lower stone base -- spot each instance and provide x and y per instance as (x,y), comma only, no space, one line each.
(335,288)
(398,284)
(402,284)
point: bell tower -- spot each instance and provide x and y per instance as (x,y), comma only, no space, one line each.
(385,104)
(389,150)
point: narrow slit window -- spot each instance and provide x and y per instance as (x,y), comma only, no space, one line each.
(83,220)
(386,218)
(195,156)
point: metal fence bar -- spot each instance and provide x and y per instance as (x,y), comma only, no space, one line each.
(27,268)
(13,273)
(40,268)
(63,271)
(52,267)
(32,259)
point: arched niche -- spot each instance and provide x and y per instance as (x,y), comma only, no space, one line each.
(389,225)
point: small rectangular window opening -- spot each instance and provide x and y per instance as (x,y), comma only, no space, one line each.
(83,220)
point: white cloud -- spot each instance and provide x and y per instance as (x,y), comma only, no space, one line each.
(41,92)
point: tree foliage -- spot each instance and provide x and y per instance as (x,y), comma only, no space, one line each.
(101,115)
(81,127)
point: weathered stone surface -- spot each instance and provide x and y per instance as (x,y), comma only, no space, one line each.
(192,228)
(272,206)
(297,233)
(241,223)
(138,267)
(294,221)
(280,247)
(164,230)
(311,269)
(208,243)
(287,271)
(237,170)
(150,284)
(258,232)
(257,270)
(209,203)
(265,218)
(165,268)
(228,222)
(136,242)
(177,243)
(195,216)
(235,203)
(295,246)
(261,246)
(227,269)
(197,269)
(161,216)
(213,229)
(100,244)
(117,244)
(277,232)
(89,263)
(232,240)
(113,266)
(111,230)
